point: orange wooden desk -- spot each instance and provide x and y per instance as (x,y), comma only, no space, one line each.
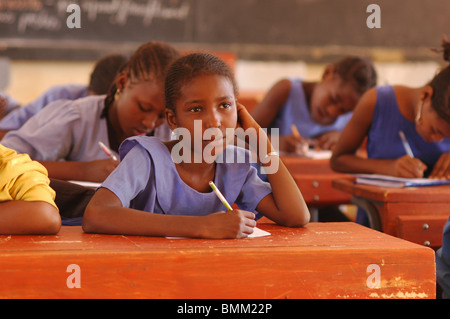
(417,214)
(314,178)
(321,260)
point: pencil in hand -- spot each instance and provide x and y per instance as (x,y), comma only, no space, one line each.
(219,194)
(406,144)
(107,151)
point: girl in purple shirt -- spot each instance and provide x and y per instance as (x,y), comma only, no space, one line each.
(153,193)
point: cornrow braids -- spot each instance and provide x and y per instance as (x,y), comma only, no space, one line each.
(440,101)
(357,71)
(104,73)
(191,66)
(149,62)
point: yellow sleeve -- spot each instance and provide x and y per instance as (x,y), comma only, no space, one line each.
(23,179)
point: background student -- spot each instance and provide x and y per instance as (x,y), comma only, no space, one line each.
(26,200)
(423,114)
(64,137)
(101,79)
(150,194)
(319,110)
(443,264)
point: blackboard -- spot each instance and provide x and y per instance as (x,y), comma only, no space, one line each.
(253,29)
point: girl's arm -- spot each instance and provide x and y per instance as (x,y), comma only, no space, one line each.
(20,217)
(285,205)
(441,169)
(344,158)
(105,214)
(93,171)
(266,111)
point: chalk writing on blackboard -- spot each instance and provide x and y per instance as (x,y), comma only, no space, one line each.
(50,15)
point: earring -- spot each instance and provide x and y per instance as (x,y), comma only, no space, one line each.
(174,135)
(419,113)
(116,95)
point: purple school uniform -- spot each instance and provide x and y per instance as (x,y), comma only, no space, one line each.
(295,111)
(17,117)
(67,130)
(147,180)
(63,130)
(383,140)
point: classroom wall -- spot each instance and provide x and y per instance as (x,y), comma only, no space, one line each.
(28,79)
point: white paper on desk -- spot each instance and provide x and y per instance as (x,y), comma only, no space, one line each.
(86,184)
(318,154)
(257,232)
(311,153)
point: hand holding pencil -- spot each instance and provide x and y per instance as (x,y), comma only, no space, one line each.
(107,151)
(408,165)
(296,143)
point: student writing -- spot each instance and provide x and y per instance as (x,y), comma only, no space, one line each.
(101,79)
(422,114)
(319,110)
(152,193)
(64,137)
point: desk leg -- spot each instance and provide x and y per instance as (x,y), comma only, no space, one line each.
(314,211)
(371,211)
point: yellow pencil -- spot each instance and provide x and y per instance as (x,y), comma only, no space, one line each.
(219,194)
(295,131)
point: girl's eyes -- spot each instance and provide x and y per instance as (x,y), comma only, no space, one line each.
(196,109)
(143,109)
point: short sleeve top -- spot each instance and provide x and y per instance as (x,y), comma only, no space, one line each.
(295,111)
(147,180)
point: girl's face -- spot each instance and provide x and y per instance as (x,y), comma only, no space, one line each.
(330,98)
(431,126)
(140,107)
(210,101)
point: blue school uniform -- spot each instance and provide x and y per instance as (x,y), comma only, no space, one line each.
(11,104)
(443,262)
(63,130)
(383,140)
(67,130)
(295,111)
(17,117)
(147,180)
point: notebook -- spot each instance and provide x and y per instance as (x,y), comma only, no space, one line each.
(397,182)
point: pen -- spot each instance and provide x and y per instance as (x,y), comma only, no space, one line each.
(295,131)
(405,144)
(107,151)
(219,194)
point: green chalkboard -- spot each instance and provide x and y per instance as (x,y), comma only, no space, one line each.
(255,28)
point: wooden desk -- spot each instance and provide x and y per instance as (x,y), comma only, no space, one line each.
(314,178)
(321,260)
(417,214)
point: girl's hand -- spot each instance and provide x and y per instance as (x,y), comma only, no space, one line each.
(99,170)
(328,140)
(409,167)
(231,224)
(245,120)
(441,169)
(293,144)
